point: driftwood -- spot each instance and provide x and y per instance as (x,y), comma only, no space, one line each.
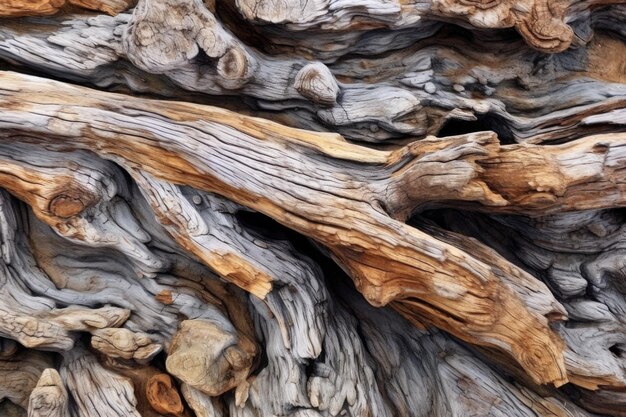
(312,208)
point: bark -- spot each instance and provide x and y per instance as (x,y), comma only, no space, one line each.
(262,208)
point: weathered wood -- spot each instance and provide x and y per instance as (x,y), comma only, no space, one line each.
(481,319)
(14,8)
(548,195)
(163,396)
(49,397)
(374,208)
(20,375)
(522,93)
(95,390)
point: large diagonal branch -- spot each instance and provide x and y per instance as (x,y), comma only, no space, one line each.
(344,196)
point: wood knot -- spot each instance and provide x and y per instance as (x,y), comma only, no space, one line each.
(235,68)
(544,362)
(316,82)
(601,148)
(163,395)
(67,205)
(545,29)
(238,359)
(202,354)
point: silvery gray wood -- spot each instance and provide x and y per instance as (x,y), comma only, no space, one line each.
(169,258)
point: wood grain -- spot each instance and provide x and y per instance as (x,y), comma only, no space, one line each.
(314,208)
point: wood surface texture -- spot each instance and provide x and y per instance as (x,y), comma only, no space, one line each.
(312,208)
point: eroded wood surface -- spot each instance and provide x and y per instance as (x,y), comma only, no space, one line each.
(316,208)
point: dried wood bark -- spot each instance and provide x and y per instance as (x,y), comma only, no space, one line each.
(312,208)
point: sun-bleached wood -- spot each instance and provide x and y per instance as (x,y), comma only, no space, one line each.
(312,208)
(412,252)
(414,90)
(49,397)
(497,190)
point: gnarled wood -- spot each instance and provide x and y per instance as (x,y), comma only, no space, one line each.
(482,319)
(376,208)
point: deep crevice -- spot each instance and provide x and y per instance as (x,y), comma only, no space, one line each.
(489,121)
(618,350)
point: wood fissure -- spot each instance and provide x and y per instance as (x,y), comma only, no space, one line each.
(313,208)
(485,316)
